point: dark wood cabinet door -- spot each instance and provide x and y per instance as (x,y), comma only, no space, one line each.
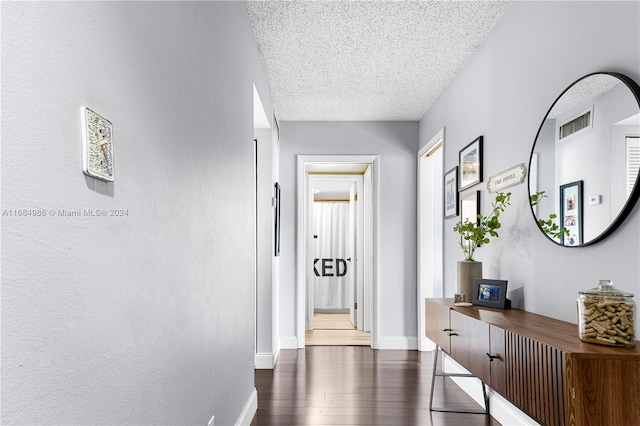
(498,371)
(603,391)
(470,344)
(437,324)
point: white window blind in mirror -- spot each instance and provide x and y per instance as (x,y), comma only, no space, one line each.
(633,161)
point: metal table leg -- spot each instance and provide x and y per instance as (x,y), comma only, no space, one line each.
(442,374)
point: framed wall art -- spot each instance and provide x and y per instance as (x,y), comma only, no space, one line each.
(276,247)
(470,207)
(470,164)
(490,293)
(451,193)
(571,206)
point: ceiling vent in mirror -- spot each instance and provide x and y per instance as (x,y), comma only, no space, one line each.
(581,122)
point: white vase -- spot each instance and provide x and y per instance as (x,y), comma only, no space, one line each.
(468,271)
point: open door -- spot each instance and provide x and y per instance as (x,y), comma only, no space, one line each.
(356,253)
(351,253)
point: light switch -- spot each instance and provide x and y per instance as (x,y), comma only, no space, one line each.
(97,146)
(594,200)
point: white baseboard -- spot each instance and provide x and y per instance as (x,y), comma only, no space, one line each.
(267,360)
(501,409)
(276,352)
(249,410)
(288,342)
(403,342)
(264,361)
(427,346)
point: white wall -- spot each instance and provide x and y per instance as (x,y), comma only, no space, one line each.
(267,329)
(503,93)
(396,143)
(146,318)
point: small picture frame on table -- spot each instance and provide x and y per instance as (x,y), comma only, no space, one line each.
(490,293)
(451,193)
(470,164)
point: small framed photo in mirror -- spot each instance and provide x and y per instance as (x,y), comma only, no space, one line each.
(470,163)
(571,207)
(490,293)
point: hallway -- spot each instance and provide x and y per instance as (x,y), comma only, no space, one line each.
(355,385)
(335,330)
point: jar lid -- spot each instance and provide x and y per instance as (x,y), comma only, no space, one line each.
(606,288)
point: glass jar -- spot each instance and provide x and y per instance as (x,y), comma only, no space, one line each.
(606,316)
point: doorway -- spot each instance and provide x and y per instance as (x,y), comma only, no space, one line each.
(335,309)
(430,229)
(349,270)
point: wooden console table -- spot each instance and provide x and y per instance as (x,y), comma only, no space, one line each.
(540,364)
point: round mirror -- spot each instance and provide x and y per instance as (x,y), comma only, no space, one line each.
(583,170)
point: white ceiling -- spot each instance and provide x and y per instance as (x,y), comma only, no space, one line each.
(369,60)
(333,181)
(332,189)
(328,168)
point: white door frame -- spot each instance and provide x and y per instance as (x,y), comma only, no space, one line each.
(304,197)
(430,232)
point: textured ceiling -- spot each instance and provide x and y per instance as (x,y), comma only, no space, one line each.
(365,60)
(583,91)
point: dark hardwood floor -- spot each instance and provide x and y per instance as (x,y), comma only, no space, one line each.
(355,385)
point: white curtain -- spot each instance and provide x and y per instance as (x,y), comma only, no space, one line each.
(330,230)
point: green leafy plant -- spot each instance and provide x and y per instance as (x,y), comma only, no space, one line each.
(548,226)
(474,234)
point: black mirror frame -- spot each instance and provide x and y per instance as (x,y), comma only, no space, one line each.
(635,193)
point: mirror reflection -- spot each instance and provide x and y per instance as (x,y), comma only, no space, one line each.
(585,159)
